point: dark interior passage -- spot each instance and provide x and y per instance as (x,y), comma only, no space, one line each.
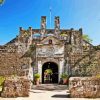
(50,73)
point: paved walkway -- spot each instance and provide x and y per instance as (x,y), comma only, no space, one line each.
(54,92)
(49,87)
(47,95)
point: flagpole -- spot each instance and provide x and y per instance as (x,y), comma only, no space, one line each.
(50,16)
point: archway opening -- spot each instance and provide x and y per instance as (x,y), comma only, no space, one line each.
(49,73)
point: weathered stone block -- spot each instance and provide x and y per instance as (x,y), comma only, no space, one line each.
(84,87)
(18,87)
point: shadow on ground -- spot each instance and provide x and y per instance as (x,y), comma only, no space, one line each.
(60,96)
(36,92)
(50,87)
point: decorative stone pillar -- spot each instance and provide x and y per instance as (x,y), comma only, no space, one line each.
(81,31)
(81,40)
(43,25)
(57,25)
(72,36)
(30,39)
(30,75)
(61,65)
(23,39)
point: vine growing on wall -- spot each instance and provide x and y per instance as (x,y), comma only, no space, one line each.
(87,38)
(32,47)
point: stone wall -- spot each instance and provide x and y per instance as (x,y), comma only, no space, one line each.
(9,48)
(87,65)
(16,87)
(13,63)
(84,87)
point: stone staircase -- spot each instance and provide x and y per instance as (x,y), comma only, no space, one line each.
(50,87)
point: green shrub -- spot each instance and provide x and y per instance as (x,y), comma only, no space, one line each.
(1,80)
(1,1)
(48,71)
(98,76)
(64,75)
(36,76)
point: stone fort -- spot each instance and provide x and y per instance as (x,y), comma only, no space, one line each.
(61,50)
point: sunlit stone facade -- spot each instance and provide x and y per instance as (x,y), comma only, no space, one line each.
(46,48)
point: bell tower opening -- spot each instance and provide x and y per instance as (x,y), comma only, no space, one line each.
(49,73)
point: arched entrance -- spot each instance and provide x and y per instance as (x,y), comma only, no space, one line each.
(50,72)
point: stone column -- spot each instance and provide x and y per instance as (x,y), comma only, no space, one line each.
(43,25)
(72,36)
(81,31)
(57,25)
(40,70)
(30,76)
(81,39)
(61,65)
(30,30)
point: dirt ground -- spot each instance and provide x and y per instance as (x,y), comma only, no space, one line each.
(47,95)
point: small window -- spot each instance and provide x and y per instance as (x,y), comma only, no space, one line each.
(50,41)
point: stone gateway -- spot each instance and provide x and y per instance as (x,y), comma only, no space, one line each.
(55,51)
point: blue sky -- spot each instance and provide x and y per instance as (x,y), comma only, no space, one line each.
(73,14)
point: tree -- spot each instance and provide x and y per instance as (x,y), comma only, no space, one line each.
(1,2)
(87,38)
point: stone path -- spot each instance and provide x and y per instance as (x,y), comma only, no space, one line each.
(49,87)
(54,93)
(47,95)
